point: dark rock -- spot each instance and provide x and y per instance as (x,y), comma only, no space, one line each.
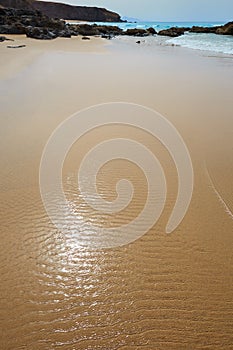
(16,28)
(64,34)
(152,31)
(85,38)
(136,32)
(196,29)
(138,42)
(109,30)
(3,38)
(32,23)
(174,31)
(139,32)
(87,29)
(40,33)
(227,29)
(105,36)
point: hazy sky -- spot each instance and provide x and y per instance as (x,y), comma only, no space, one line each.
(170,10)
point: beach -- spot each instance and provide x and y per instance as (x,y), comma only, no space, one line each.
(161,292)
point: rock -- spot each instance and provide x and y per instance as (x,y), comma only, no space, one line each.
(85,38)
(136,32)
(104,36)
(87,29)
(174,31)
(152,31)
(40,33)
(227,29)
(15,46)
(138,42)
(64,34)
(109,30)
(196,29)
(3,38)
(16,28)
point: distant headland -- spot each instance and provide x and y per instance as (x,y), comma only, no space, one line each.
(65,11)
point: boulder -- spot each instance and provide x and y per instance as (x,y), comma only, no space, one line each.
(227,29)
(109,30)
(174,31)
(152,31)
(136,32)
(40,33)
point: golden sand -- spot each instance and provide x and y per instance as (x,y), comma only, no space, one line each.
(162,292)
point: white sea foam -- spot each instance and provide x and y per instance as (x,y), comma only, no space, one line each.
(205,42)
(222,44)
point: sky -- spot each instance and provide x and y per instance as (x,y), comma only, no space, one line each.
(166,10)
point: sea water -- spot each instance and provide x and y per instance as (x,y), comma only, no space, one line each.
(208,42)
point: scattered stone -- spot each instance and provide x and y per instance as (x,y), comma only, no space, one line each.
(104,36)
(3,38)
(15,46)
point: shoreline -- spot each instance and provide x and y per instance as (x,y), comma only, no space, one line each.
(12,60)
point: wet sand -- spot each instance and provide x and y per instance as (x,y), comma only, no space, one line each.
(162,292)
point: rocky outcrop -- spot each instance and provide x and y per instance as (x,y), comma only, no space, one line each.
(91,30)
(139,32)
(36,25)
(226,29)
(82,13)
(174,31)
(30,22)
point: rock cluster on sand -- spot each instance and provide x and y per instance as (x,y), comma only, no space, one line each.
(32,23)
(39,26)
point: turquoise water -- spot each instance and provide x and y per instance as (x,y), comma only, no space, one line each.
(206,42)
(161,25)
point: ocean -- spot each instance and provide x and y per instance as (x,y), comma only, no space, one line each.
(206,42)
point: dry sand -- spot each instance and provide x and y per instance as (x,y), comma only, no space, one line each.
(162,292)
